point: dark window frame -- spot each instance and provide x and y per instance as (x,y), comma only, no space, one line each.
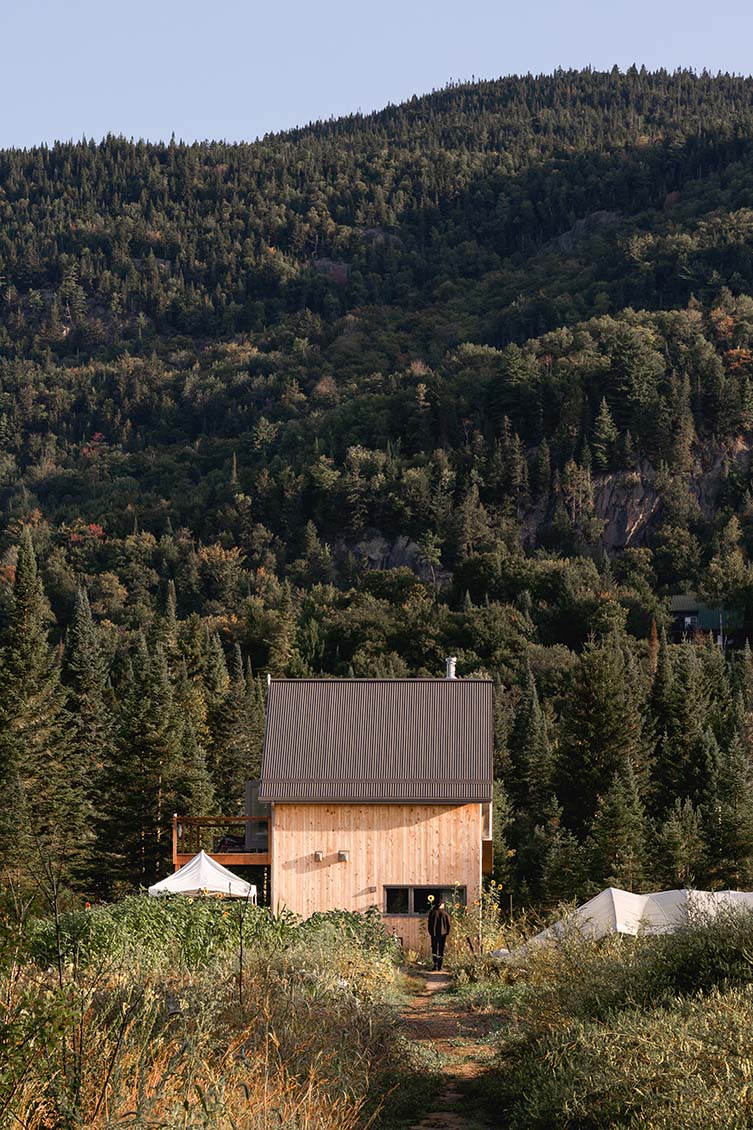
(447,893)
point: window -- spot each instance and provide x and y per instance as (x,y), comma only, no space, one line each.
(397,900)
(419,900)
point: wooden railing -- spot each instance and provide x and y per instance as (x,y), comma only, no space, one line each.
(228,839)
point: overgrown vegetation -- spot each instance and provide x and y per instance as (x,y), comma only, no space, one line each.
(647,1031)
(141,1014)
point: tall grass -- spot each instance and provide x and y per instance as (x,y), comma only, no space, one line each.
(140,1015)
(647,1031)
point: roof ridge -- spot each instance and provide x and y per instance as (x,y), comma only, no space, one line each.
(369,679)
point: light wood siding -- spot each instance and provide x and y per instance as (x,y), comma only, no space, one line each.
(388,845)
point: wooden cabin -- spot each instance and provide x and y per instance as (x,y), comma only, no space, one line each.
(374,792)
(380,795)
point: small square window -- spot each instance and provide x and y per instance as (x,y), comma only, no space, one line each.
(396,900)
(424,898)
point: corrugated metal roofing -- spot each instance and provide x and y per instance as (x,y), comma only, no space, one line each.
(398,740)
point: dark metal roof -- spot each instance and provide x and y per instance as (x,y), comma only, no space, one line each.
(398,740)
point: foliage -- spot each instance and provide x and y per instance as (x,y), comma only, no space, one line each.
(135,1013)
(634,1032)
(479,383)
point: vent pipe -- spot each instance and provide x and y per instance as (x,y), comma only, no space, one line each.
(451,661)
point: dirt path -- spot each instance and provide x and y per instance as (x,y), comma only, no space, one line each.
(460,1039)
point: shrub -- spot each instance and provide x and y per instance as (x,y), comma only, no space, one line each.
(149,1018)
(686,1065)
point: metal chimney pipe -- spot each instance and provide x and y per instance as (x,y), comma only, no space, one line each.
(451,660)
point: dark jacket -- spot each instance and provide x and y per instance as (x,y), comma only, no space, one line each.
(438,922)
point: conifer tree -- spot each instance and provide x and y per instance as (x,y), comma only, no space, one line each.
(91,726)
(36,756)
(680,849)
(166,630)
(618,834)
(143,774)
(502,818)
(680,703)
(543,469)
(193,788)
(604,437)
(531,752)
(216,687)
(565,860)
(728,820)
(282,639)
(661,699)
(602,727)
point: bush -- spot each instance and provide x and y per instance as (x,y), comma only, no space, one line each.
(687,1065)
(150,1018)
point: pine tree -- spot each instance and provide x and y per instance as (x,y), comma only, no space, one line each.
(602,728)
(680,849)
(36,756)
(684,749)
(618,834)
(282,639)
(193,786)
(143,774)
(91,726)
(531,753)
(216,688)
(502,818)
(728,820)
(166,630)
(543,475)
(564,861)
(604,437)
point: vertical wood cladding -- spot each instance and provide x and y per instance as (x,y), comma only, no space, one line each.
(387,845)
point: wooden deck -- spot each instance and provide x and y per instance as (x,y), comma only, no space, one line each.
(233,841)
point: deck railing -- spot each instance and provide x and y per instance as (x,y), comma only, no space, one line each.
(221,836)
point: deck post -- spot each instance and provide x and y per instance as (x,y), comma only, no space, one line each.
(175,839)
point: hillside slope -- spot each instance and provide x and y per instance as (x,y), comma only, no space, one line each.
(471,375)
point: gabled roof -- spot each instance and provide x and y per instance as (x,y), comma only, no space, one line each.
(398,740)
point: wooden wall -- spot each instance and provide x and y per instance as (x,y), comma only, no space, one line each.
(388,845)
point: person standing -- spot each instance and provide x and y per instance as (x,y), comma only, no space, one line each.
(439,927)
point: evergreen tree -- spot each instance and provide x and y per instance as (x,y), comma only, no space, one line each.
(531,753)
(728,820)
(618,834)
(604,437)
(143,774)
(680,702)
(37,767)
(193,787)
(565,862)
(602,728)
(680,849)
(91,725)
(502,818)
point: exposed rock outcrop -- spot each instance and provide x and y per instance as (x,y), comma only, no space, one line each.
(628,505)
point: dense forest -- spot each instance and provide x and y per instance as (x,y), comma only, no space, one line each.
(472,375)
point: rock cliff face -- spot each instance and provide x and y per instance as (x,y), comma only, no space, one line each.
(628,505)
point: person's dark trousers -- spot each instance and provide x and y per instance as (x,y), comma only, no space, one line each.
(437,949)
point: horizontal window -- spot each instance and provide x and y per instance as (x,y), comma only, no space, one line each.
(419,900)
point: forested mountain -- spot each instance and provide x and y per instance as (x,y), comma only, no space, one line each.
(470,375)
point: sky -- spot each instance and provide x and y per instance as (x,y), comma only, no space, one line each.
(237,69)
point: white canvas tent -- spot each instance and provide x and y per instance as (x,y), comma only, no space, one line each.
(203,876)
(614,911)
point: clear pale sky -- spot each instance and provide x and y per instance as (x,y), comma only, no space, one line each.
(237,69)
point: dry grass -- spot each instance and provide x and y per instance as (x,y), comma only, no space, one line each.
(647,1032)
(302,1036)
(119,1049)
